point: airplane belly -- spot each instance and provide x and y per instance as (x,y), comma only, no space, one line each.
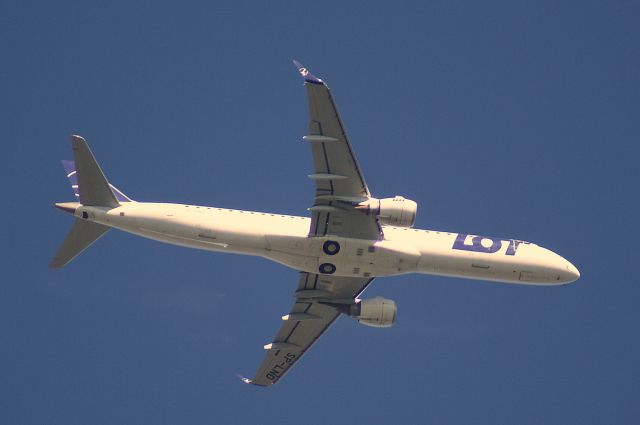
(342,256)
(468,266)
(196,228)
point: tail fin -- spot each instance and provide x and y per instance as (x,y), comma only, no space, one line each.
(93,187)
(70,168)
(80,237)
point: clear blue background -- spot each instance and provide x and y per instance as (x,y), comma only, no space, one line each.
(512,119)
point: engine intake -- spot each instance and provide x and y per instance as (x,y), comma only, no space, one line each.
(396,211)
(377,312)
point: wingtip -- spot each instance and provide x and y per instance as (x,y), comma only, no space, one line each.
(76,137)
(306,74)
(245,379)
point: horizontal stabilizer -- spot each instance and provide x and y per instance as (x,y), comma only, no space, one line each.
(80,237)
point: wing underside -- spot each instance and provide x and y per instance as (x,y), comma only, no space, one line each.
(319,302)
(339,188)
(339,182)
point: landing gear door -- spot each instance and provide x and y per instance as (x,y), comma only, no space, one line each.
(347,257)
(332,256)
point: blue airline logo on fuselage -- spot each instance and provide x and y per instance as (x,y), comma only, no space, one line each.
(466,242)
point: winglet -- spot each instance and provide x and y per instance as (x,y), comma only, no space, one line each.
(306,74)
(245,380)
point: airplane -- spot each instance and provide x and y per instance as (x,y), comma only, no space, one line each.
(350,238)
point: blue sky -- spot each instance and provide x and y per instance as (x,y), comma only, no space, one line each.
(512,119)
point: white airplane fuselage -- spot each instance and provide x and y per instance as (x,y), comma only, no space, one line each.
(349,239)
(284,239)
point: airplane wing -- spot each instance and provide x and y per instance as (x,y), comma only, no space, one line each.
(340,185)
(320,299)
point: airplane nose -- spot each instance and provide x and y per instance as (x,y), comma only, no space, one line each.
(572,273)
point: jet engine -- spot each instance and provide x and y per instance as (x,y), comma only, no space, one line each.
(377,312)
(396,211)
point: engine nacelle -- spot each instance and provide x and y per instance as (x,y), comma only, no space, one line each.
(377,312)
(396,211)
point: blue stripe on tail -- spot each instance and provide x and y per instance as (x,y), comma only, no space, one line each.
(70,169)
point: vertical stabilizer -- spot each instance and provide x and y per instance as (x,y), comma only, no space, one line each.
(70,169)
(93,187)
